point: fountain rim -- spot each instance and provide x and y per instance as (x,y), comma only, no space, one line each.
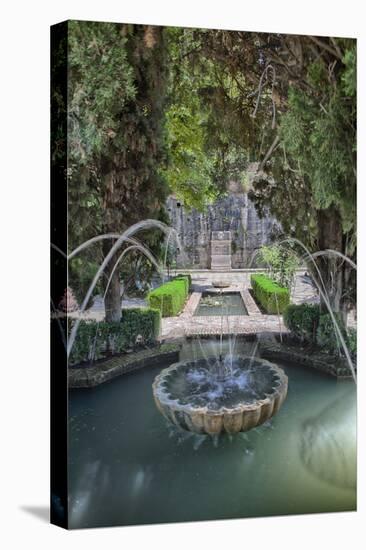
(164,399)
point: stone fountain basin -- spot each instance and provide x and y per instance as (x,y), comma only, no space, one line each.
(221,284)
(242,414)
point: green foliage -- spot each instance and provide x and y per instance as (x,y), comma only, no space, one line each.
(150,106)
(326,335)
(189,172)
(307,323)
(81,274)
(117,140)
(349,76)
(100,83)
(95,340)
(288,104)
(271,296)
(282,263)
(99,71)
(185,277)
(320,132)
(170,297)
(352,340)
(302,320)
(143,322)
(193,159)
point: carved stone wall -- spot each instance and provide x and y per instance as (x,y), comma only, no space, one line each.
(234,213)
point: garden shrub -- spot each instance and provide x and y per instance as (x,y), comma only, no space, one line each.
(271,296)
(306,323)
(94,340)
(170,297)
(326,336)
(302,320)
(352,340)
(184,277)
(143,322)
(188,276)
(282,262)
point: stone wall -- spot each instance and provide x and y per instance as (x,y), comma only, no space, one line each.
(235,213)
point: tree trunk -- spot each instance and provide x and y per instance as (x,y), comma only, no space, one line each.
(112,301)
(334,271)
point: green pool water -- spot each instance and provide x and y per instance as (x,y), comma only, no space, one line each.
(230,303)
(128,465)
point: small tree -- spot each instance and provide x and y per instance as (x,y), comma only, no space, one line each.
(282,263)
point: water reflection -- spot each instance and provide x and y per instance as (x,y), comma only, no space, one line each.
(82,494)
(328,443)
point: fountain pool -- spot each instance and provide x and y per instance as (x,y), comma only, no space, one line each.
(214,303)
(128,465)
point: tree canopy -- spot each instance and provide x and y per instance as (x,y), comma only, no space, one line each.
(156,110)
(289,102)
(117,94)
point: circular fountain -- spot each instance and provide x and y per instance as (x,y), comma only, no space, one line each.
(212,396)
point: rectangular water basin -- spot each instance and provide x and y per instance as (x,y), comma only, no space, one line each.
(214,303)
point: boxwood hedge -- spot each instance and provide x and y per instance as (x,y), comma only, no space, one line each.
(326,335)
(184,276)
(95,340)
(305,321)
(271,296)
(170,297)
(302,320)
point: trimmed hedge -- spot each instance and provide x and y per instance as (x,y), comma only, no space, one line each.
(326,336)
(143,322)
(302,320)
(352,340)
(271,296)
(170,297)
(305,322)
(186,277)
(95,340)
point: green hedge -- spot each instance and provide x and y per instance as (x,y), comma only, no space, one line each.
(271,296)
(352,340)
(305,322)
(302,320)
(94,340)
(186,277)
(143,322)
(170,297)
(326,336)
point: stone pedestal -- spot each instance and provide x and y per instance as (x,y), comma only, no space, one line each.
(221,250)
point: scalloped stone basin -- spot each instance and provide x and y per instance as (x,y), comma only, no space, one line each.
(196,396)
